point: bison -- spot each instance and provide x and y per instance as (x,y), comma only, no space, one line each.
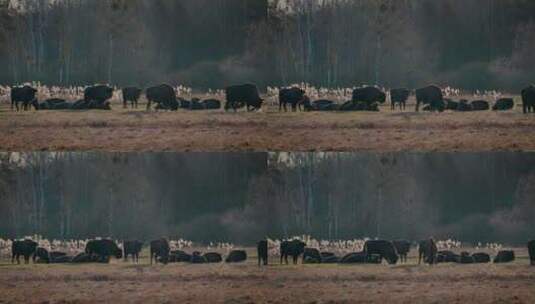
(159,251)
(450,104)
(236,256)
(399,96)
(26,248)
(311,256)
(481,257)
(464,106)
(432,96)
(528,99)
(446,256)
(427,249)
(24,95)
(53,104)
(360,258)
(293,248)
(213,257)
(131,94)
(197,258)
(531,251)
(132,248)
(179,256)
(262,251)
(164,96)
(329,257)
(504,256)
(480,105)
(99,94)
(293,96)
(368,95)
(384,249)
(503,104)
(239,96)
(104,249)
(322,105)
(402,248)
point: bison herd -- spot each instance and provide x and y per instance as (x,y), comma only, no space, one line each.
(247,96)
(374,252)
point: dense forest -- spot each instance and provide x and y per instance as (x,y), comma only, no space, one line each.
(469,44)
(243,197)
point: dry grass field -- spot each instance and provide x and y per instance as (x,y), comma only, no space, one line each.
(138,130)
(247,283)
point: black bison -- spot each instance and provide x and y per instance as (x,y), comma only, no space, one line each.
(179,256)
(464,106)
(528,99)
(197,258)
(243,95)
(104,249)
(531,251)
(481,257)
(88,258)
(293,248)
(399,96)
(351,106)
(26,248)
(384,249)
(503,104)
(466,258)
(99,94)
(446,256)
(368,95)
(24,95)
(479,105)
(321,105)
(402,248)
(163,96)
(262,251)
(427,249)
(504,256)
(360,258)
(55,257)
(311,256)
(159,251)
(450,104)
(213,257)
(329,257)
(53,104)
(131,94)
(431,96)
(132,248)
(293,96)
(211,104)
(89,105)
(236,256)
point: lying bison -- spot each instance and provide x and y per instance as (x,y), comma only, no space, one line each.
(450,104)
(176,256)
(159,251)
(480,105)
(132,248)
(104,249)
(531,251)
(240,96)
(55,257)
(402,248)
(481,257)
(431,96)
(53,104)
(503,104)
(352,106)
(321,105)
(446,256)
(293,96)
(360,258)
(163,96)
(427,250)
(311,256)
(399,96)
(236,256)
(24,95)
(528,99)
(213,257)
(504,256)
(131,94)
(262,251)
(329,258)
(293,248)
(26,248)
(384,249)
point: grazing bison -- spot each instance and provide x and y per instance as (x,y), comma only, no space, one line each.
(402,248)
(528,99)
(480,105)
(26,248)
(427,249)
(399,96)
(311,256)
(262,251)
(24,95)
(243,95)
(293,248)
(384,249)
(159,251)
(99,94)
(164,96)
(481,257)
(131,94)
(293,96)
(431,96)
(504,256)
(531,251)
(503,104)
(236,256)
(132,248)
(368,95)
(213,257)
(104,249)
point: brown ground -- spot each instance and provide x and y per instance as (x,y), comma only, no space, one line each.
(246,283)
(137,130)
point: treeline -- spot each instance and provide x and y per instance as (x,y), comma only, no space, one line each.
(212,43)
(243,197)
